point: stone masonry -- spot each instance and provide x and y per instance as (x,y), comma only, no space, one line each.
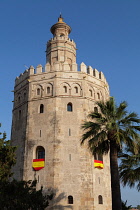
(41,118)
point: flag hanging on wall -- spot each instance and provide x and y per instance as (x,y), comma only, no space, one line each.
(38,164)
(98,164)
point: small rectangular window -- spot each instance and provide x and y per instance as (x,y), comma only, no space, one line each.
(69,157)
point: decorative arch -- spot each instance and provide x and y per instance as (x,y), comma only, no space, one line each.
(99,95)
(91,92)
(65,88)
(39,91)
(49,89)
(76,89)
(69,60)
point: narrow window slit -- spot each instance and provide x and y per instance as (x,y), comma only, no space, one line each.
(69,132)
(69,157)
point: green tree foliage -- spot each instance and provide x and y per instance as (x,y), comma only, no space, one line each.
(7,157)
(130,167)
(138,207)
(14,194)
(111,129)
(22,195)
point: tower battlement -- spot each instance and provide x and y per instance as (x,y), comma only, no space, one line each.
(58,66)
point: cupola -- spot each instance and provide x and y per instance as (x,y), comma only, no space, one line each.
(61,50)
(60,29)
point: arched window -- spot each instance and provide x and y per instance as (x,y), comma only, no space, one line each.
(95,109)
(98,95)
(61,35)
(40,152)
(48,90)
(69,107)
(38,91)
(76,89)
(41,108)
(100,199)
(65,89)
(90,92)
(98,157)
(70,199)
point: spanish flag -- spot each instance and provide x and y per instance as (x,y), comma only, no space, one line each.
(98,164)
(38,164)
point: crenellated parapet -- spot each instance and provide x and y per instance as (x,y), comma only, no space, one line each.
(61,67)
(93,72)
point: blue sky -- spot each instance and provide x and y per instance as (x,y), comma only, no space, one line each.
(107,34)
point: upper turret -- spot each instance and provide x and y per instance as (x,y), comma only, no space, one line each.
(60,29)
(60,49)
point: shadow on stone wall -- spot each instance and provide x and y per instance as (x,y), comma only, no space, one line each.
(57,199)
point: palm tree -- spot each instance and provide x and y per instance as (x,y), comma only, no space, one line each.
(110,129)
(130,168)
(125,207)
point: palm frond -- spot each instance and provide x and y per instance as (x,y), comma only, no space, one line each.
(130,168)
(121,110)
(114,128)
(100,148)
(130,118)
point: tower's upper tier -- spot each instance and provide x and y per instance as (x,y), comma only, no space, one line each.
(61,49)
(60,28)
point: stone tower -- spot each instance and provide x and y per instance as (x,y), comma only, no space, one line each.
(50,105)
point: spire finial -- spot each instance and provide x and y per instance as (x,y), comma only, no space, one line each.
(60,19)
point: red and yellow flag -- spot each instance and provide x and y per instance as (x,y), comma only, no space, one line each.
(38,164)
(98,164)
